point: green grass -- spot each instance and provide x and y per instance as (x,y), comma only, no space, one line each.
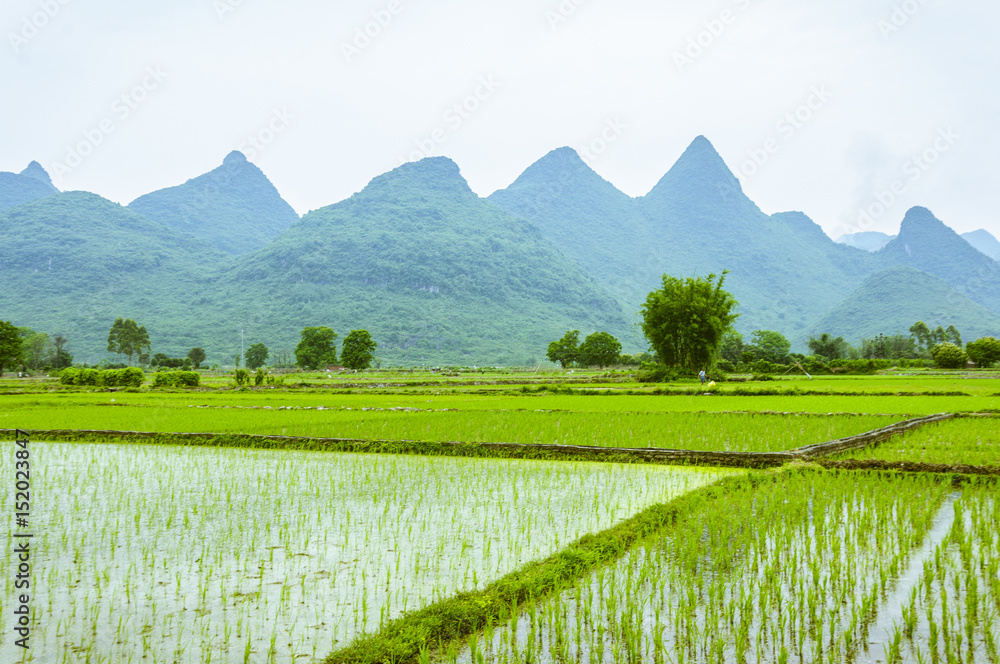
(972,441)
(733,432)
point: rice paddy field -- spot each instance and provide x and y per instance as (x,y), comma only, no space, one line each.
(230,552)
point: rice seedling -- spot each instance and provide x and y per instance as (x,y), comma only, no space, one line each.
(790,571)
(185,554)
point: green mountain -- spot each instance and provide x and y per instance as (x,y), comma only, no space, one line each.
(583,215)
(434,272)
(926,243)
(984,242)
(234,208)
(29,185)
(73,262)
(892,300)
(784,270)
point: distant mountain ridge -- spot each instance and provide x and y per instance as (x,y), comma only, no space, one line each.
(29,185)
(442,276)
(867,240)
(984,242)
(234,207)
(695,220)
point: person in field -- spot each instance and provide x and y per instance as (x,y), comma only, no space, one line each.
(702,376)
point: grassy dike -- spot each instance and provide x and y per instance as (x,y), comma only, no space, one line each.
(404,640)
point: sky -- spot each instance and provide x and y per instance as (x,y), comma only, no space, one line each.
(850,111)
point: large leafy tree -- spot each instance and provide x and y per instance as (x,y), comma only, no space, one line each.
(36,348)
(565,351)
(984,351)
(358,350)
(770,345)
(10,345)
(828,347)
(128,338)
(197,356)
(316,349)
(256,356)
(600,348)
(685,319)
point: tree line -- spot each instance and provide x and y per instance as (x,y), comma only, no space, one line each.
(689,326)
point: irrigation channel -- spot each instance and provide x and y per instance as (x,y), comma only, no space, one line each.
(791,564)
(895,610)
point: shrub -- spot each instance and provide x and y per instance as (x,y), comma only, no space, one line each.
(258,378)
(949,356)
(242,377)
(127,377)
(655,373)
(177,379)
(726,366)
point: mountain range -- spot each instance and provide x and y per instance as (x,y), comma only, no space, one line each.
(440,275)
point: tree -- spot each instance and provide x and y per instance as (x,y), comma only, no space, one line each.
(984,351)
(951,335)
(600,348)
(256,356)
(685,320)
(922,336)
(10,345)
(128,338)
(566,350)
(61,357)
(828,347)
(197,356)
(316,349)
(731,348)
(36,348)
(770,345)
(949,356)
(358,350)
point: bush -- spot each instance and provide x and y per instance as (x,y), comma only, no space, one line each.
(656,373)
(762,377)
(726,366)
(242,377)
(177,379)
(258,378)
(127,377)
(949,356)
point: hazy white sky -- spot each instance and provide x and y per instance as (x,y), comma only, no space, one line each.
(824,107)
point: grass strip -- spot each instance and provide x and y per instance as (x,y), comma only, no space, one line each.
(869,438)
(403,640)
(544,452)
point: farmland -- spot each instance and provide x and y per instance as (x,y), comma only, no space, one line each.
(235,550)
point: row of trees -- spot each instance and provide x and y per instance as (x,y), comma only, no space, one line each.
(24,348)
(317,349)
(688,323)
(598,349)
